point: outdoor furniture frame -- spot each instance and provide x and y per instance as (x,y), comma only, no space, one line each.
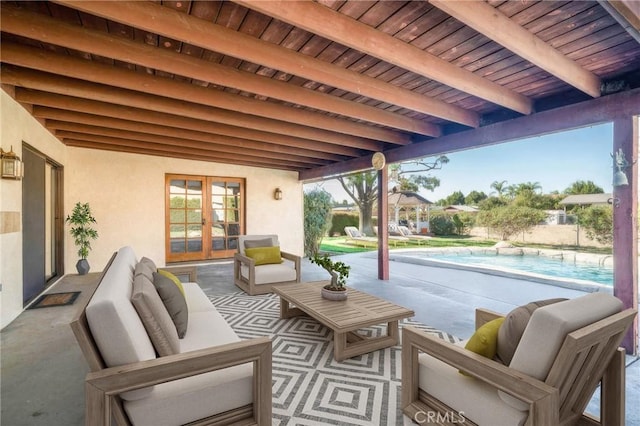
(250,284)
(393,239)
(588,356)
(345,317)
(103,385)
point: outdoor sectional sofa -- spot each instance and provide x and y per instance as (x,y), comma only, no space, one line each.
(209,376)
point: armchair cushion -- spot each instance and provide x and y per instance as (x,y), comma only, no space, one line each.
(264,255)
(154,316)
(547,329)
(479,400)
(174,301)
(273,273)
(515,322)
(262,242)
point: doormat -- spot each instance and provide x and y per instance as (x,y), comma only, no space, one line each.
(55,299)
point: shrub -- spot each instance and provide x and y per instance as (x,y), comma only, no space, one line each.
(441,224)
(340,220)
(317,217)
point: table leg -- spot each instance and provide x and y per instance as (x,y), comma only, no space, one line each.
(286,311)
(347,345)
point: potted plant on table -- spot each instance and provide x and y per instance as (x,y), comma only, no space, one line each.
(80,220)
(336,289)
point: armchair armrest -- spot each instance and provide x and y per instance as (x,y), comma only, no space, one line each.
(543,399)
(102,386)
(483,316)
(296,260)
(183,271)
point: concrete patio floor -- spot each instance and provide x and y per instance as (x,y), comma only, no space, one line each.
(42,368)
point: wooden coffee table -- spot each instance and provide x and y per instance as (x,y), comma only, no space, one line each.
(360,310)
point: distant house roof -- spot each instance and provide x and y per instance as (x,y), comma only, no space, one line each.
(586,199)
(461,208)
(407,198)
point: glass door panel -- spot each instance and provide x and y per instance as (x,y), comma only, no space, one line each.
(185,220)
(226,222)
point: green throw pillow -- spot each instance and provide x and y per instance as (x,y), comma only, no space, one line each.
(485,340)
(172,278)
(264,255)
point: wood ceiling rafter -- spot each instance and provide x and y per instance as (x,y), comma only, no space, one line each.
(35,26)
(499,28)
(214,37)
(342,29)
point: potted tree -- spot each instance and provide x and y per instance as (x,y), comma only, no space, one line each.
(336,289)
(80,220)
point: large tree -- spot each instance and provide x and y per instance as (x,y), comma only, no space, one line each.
(406,176)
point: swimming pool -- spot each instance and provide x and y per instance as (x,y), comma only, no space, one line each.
(549,266)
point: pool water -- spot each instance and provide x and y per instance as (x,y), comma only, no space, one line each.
(542,265)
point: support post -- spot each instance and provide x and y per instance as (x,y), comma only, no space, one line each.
(383,220)
(625,225)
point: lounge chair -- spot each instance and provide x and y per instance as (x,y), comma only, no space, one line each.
(354,236)
(566,351)
(394,239)
(414,238)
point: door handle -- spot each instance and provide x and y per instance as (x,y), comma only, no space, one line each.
(204,220)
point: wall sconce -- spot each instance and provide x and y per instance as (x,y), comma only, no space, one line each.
(620,163)
(277,194)
(11,167)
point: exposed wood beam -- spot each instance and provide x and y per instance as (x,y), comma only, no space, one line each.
(38,59)
(118,117)
(212,143)
(340,28)
(185,109)
(492,23)
(220,39)
(177,148)
(45,29)
(626,13)
(98,134)
(592,112)
(159,152)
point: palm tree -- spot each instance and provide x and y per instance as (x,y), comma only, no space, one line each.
(583,187)
(499,186)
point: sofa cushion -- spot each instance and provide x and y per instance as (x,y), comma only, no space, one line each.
(478,400)
(514,324)
(193,398)
(174,301)
(264,255)
(207,329)
(547,329)
(146,267)
(154,316)
(197,300)
(114,322)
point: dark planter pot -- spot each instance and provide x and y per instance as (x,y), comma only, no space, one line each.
(82,266)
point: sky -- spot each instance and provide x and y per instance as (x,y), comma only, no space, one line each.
(555,161)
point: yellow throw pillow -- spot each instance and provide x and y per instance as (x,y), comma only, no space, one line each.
(485,340)
(172,278)
(264,255)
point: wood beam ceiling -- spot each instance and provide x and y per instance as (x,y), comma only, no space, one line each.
(340,28)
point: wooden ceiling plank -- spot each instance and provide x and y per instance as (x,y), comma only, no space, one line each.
(150,102)
(69,130)
(123,128)
(495,25)
(31,25)
(76,68)
(342,29)
(221,39)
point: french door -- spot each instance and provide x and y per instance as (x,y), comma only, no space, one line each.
(204,217)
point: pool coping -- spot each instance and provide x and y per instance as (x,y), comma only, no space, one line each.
(569,256)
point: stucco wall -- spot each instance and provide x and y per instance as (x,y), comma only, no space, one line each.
(16,126)
(126,193)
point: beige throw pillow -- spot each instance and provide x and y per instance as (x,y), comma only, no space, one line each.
(154,316)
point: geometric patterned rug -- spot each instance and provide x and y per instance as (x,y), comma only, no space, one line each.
(309,386)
